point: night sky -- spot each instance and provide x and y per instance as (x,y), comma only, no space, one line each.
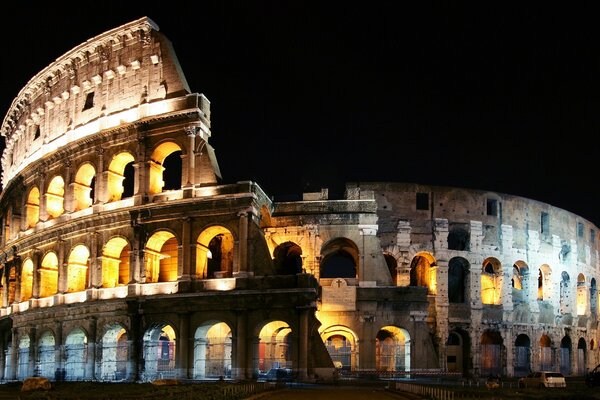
(504,99)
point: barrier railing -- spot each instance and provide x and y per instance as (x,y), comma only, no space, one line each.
(433,392)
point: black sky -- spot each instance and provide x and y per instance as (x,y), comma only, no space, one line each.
(306,95)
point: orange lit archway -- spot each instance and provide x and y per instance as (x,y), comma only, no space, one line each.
(156,165)
(161,254)
(49,275)
(77,269)
(55,197)
(214,253)
(115,185)
(82,187)
(115,262)
(33,207)
(26,279)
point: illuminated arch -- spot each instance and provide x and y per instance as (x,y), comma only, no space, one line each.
(117,178)
(115,262)
(582,295)
(421,273)
(544,282)
(159,352)
(49,275)
(33,207)
(214,253)
(55,197)
(491,281)
(392,349)
(520,282)
(274,347)
(83,187)
(341,343)
(287,258)
(161,254)
(115,350)
(212,351)
(339,259)
(157,159)
(26,279)
(77,269)
(392,265)
(75,355)
(45,361)
(265,217)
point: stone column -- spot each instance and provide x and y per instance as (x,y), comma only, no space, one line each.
(241,351)
(90,363)
(69,194)
(140,189)
(184,273)
(303,344)
(4,280)
(42,187)
(14,348)
(135,356)
(183,347)
(32,352)
(62,267)
(243,244)
(36,258)
(95,272)
(100,183)
(59,352)
(191,156)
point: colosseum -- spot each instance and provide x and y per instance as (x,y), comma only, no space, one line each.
(125,256)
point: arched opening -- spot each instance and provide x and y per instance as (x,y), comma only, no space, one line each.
(165,174)
(491,353)
(8,357)
(77,269)
(458,275)
(45,356)
(565,355)
(212,351)
(392,349)
(265,217)
(287,258)
(342,345)
(581,357)
(520,283)
(161,254)
(214,253)
(421,273)
(12,284)
(83,186)
(159,353)
(75,355)
(491,281)
(593,297)
(392,265)
(55,197)
(26,279)
(274,347)
(33,207)
(544,282)
(115,354)
(565,304)
(458,239)
(23,358)
(546,354)
(458,352)
(120,177)
(49,275)
(522,355)
(582,295)
(339,259)
(115,262)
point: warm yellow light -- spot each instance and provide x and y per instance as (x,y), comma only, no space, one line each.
(55,197)
(491,287)
(82,187)
(33,207)
(161,257)
(77,268)
(116,172)
(115,263)
(49,275)
(26,279)
(156,169)
(203,253)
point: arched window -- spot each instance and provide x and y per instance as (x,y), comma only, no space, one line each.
(339,259)
(520,283)
(491,281)
(159,352)
(582,295)
(55,197)
(49,275)
(26,279)
(458,238)
(522,355)
(161,254)
(274,347)
(33,207)
(392,349)
(113,365)
(75,355)
(120,177)
(544,282)
(212,351)
(288,259)
(115,262)
(77,269)
(581,356)
(421,273)
(214,253)
(458,274)
(165,174)
(83,187)
(491,353)
(546,354)
(565,355)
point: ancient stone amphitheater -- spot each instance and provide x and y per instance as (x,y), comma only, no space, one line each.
(125,258)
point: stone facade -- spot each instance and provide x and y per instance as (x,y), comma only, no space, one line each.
(113,270)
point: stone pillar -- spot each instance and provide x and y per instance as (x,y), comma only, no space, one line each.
(243,244)
(32,352)
(42,187)
(183,347)
(16,265)
(184,273)
(95,272)
(191,156)
(59,352)
(100,183)
(241,351)
(4,280)
(69,194)
(303,344)
(37,259)
(140,189)
(62,267)
(90,363)
(14,348)
(135,360)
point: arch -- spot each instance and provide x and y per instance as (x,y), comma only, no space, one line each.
(491,281)
(522,355)
(119,181)
(520,282)
(75,355)
(214,252)
(11,283)
(565,283)
(265,217)
(458,353)
(342,345)
(581,356)
(115,262)
(544,282)
(565,355)
(392,265)
(458,279)
(392,349)
(287,258)
(212,351)
(161,257)
(421,273)
(593,297)
(32,207)
(114,353)
(45,355)
(49,275)
(546,353)
(582,295)
(83,187)
(159,352)
(55,197)
(157,166)
(26,279)
(274,347)
(23,357)
(491,353)
(458,238)
(339,259)
(77,269)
